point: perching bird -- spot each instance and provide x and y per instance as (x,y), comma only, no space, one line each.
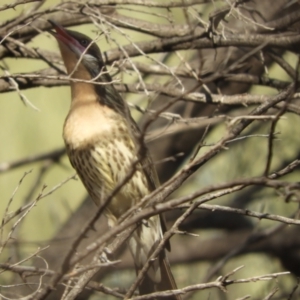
(102,142)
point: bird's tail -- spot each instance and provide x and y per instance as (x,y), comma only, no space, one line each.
(142,244)
(167,281)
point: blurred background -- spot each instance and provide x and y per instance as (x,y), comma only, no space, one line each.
(180,58)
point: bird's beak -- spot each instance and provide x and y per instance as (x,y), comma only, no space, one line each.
(62,35)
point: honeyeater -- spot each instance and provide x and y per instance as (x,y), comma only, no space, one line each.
(103,141)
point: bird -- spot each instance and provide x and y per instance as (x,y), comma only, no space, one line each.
(102,142)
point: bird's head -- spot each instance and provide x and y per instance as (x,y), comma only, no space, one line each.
(83,60)
(75,46)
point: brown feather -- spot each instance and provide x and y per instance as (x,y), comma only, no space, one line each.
(102,141)
(167,282)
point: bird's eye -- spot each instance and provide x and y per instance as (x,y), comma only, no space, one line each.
(84,42)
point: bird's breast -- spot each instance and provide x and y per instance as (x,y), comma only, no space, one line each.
(102,150)
(86,123)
